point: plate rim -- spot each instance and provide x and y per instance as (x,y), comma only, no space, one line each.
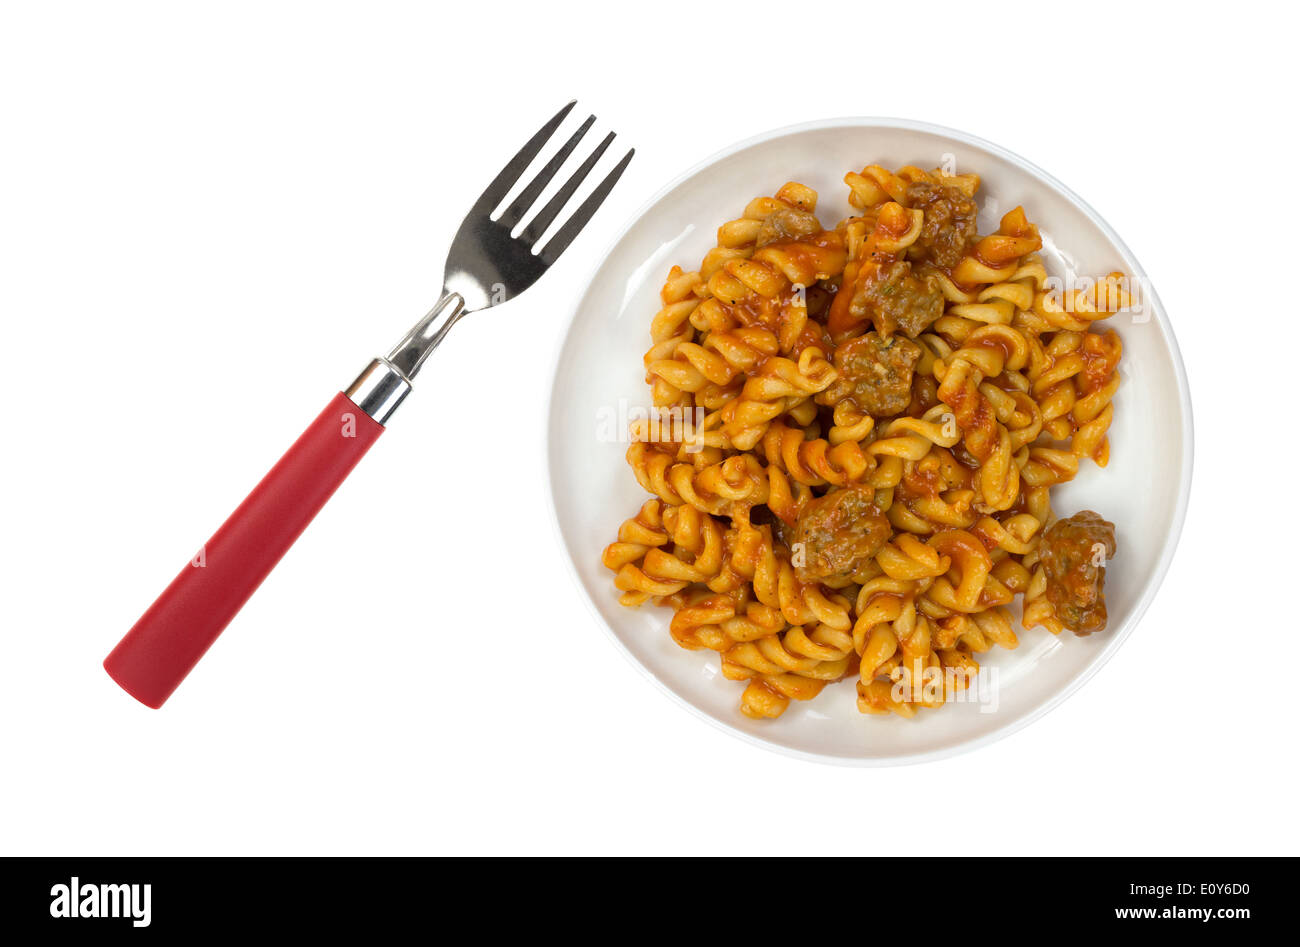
(1167,549)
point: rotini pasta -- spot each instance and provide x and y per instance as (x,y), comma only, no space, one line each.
(885,406)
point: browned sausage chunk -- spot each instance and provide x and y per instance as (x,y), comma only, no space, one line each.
(839,533)
(1074,555)
(875,373)
(949,227)
(786,225)
(897,300)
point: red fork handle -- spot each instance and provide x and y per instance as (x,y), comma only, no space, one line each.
(168,640)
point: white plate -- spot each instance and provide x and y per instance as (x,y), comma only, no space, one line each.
(1143,490)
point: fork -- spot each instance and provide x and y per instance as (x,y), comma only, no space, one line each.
(485,267)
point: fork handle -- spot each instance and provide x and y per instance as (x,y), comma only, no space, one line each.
(171,637)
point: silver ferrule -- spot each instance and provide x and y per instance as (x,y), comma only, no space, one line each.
(386,381)
(379,390)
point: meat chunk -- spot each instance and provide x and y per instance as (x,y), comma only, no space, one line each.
(1074,553)
(896,299)
(949,227)
(786,225)
(875,373)
(836,535)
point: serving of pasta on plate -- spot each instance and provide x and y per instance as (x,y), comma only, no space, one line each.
(854,436)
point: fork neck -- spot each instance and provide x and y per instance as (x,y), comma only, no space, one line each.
(386,382)
(425,336)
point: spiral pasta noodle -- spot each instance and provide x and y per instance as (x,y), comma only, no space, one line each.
(885,407)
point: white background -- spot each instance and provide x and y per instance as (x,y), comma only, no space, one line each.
(212,216)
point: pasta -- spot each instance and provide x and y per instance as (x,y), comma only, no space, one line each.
(883,408)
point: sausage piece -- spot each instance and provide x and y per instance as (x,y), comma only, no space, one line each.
(789,224)
(839,533)
(896,299)
(875,373)
(949,227)
(1074,554)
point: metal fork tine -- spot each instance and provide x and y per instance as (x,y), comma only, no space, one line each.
(511,173)
(573,226)
(537,226)
(519,206)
